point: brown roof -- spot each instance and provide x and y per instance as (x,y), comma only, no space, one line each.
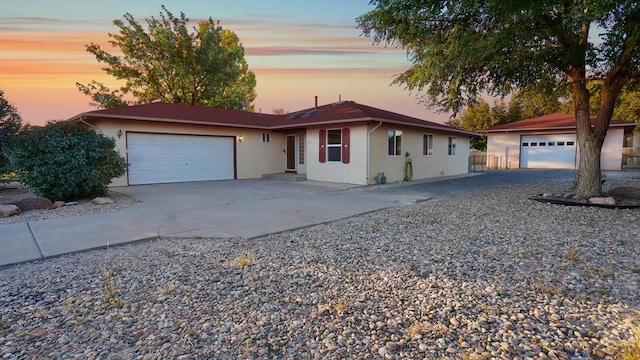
(331,114)
(555,121)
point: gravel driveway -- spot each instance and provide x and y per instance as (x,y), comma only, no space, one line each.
(478,272)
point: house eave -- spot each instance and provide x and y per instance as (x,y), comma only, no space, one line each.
(88,116)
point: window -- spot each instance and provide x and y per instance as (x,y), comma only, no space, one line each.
(551,143)
(543,144)
(301,147)
(452,145)
(570,143)
(560,143)
(534,144)
(427,144)
(525,144)
(266,137)
(627,141)
(395,142)
(334,145)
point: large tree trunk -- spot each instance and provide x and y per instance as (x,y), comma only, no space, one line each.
(591,139)
(589,181)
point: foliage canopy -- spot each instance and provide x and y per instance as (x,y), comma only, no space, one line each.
(65,161)
(166,62)
(462,49)
(10,124)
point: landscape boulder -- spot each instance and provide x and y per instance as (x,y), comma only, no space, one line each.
(8,210)
(33,203)
(602,200)
(102,201)
(58,204)
(626,191)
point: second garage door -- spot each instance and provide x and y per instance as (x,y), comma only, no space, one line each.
(548,151)
(161,158)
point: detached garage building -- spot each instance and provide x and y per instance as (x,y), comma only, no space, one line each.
(549,142)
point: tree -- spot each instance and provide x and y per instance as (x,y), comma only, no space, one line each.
(533,101)
(479,116)
(165,62)
(10,124)
(65,161)
(460,48)
(279,111)
(627,106)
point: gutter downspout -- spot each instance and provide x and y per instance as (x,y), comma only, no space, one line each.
(369,150)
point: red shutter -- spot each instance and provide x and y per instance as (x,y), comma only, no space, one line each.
(345,146)
(322,151)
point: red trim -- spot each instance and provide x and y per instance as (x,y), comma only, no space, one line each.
(322,151)
(345,146)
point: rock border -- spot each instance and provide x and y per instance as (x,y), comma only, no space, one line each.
(570,202)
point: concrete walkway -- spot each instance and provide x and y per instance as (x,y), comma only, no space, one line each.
(238,208)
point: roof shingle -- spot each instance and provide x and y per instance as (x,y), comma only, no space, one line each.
(336,113)
(555,121)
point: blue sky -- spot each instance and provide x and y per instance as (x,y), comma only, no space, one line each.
(298,50)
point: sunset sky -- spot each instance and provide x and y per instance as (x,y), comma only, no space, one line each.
(297,49)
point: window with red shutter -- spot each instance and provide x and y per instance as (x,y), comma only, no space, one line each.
(345,146)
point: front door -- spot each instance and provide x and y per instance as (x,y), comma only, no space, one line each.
(290,153)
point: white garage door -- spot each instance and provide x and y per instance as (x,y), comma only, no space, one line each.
(548,151)
(156,158)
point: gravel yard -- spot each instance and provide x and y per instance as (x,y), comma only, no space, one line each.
(478,272)
(82,207)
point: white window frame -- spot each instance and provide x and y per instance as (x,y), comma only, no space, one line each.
(427,144)
(451,146)
(392,138)
(334,146)
(266,137)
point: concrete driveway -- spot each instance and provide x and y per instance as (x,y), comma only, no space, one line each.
(235,208)
(251,208)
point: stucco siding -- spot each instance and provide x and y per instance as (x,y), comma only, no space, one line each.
(440,163)
(611,156)
(335,171)
(253,157)
(503,151)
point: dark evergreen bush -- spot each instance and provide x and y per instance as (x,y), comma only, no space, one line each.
(65,161)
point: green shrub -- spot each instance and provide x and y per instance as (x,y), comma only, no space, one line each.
(65,161)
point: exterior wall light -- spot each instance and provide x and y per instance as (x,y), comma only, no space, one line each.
(119,133)
(239,138)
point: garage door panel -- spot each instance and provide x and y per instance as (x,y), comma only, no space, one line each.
(548,151)
(163,158)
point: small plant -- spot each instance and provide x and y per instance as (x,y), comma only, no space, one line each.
(341,306)
(41,313)
(621,242)
(109,287)
(572,253)
(635,270)
(630,350)
(338,306)
(417,330)
(544,289)
(602,291)
(171,287)
(244,260)
(375,228)
(525,252)
(590,271)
